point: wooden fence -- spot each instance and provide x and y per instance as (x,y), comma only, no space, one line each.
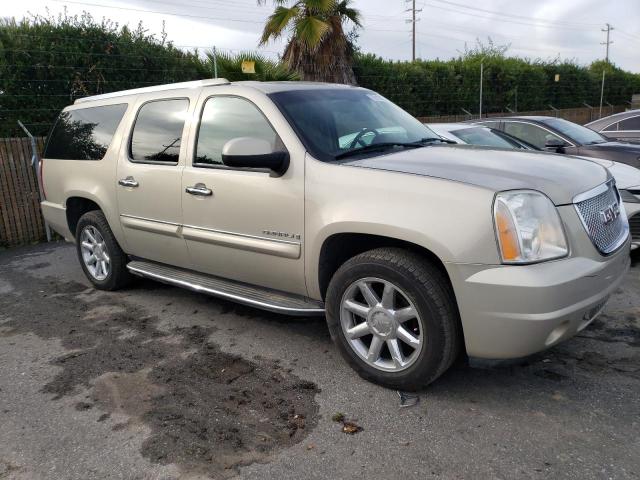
(20,216)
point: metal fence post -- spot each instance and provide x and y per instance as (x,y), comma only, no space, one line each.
(35,164)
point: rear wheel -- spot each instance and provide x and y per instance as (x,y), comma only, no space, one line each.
(393,317)
(103,261)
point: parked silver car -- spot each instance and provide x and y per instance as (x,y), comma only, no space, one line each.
(620,126)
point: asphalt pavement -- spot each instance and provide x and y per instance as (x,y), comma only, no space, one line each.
(155,382)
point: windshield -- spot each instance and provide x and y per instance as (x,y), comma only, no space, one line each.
(484,136)
(577,133)
(332,121)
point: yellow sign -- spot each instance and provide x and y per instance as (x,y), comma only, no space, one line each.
(248,66)
(557,79)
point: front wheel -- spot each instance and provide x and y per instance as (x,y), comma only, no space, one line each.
(393,316)
(103,261)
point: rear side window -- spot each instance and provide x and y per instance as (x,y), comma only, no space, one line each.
(85,133)
(157,132)
(632,123)
(226,118)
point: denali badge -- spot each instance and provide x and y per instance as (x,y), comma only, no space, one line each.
(294,236)
(610,213)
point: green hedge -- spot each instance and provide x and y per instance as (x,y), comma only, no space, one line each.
(437,87)
(46,63)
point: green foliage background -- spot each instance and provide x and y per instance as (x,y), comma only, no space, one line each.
(46,63)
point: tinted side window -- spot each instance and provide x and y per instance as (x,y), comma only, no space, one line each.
(226,118)
(632,123)
(612,128)
(84,134)
(157,133)
(530,133)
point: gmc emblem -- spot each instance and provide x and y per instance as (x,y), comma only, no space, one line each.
(610,213)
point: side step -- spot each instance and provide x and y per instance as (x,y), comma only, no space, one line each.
(251,295)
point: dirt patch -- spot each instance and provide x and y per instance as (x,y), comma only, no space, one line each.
(208,411)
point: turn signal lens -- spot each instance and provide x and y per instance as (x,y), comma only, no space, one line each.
(507,235)
(528,227)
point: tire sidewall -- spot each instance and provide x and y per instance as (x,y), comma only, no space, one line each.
(426,365)
(91,219)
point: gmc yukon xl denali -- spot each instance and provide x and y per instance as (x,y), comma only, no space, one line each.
(314,199)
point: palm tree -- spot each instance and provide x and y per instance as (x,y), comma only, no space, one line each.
(229,66)
(318,47)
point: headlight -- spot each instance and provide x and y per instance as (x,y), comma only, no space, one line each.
(628,197)
(528,227)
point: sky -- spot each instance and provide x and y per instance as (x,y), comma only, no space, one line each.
(546,29)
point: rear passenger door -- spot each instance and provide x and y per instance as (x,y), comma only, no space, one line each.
(150,167)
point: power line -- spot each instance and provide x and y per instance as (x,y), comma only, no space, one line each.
(141,10)
(514,16)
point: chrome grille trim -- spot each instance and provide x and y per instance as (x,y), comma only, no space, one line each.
(607,238)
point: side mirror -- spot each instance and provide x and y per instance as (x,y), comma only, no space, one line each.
(249,152)
(554,145)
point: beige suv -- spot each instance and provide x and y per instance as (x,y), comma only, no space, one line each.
(310,199)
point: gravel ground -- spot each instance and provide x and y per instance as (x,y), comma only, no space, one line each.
(156,382)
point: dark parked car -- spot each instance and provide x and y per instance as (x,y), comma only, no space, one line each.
(621,126)
(562,136)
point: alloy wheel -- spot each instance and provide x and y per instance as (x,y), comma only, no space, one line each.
(94,253)
(381,324)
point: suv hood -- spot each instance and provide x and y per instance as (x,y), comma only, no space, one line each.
(559,177)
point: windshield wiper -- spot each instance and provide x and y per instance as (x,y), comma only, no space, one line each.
(384,145)
(438,139)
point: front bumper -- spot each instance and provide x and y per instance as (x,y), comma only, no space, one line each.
(515,311)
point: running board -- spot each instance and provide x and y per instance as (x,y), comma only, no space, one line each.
(258,297)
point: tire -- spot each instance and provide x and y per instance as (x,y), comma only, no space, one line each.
(419,285)
(117,276)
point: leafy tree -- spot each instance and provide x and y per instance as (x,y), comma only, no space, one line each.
(318,47)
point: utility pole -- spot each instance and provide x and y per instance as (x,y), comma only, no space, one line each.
(601,93)
(481,78)
(413,22)
(215,63)
(413,31)
(608,42)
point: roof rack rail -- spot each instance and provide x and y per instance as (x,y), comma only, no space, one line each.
(156,88)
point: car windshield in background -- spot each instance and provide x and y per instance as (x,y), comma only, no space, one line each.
(484,136)
(335,122)
(575,132)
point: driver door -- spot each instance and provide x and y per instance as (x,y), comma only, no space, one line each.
(239,223)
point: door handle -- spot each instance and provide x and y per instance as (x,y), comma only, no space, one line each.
(200,190)
(128,182)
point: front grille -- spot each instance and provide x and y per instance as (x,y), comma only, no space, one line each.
(607,236)
(634,226)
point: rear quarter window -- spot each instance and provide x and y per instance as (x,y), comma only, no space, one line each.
(84,133)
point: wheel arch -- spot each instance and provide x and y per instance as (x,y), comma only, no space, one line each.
(78,203)
(340,247)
